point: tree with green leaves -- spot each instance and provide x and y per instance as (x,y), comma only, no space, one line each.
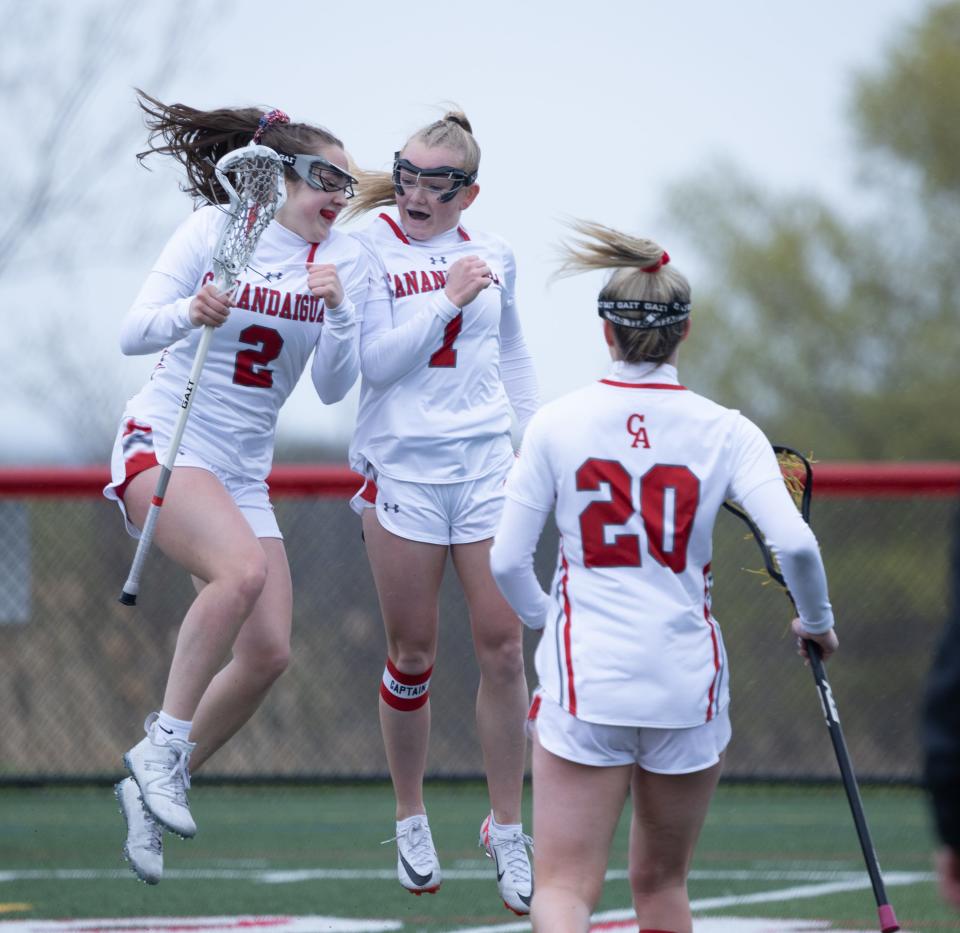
(837,335)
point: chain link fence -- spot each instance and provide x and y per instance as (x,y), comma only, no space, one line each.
(79,671)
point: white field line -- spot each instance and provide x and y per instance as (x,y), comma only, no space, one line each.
(281,876)
(817,883)
(741,925)
(199,924)
(855,881)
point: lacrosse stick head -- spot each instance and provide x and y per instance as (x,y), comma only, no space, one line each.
(798,478)
(252,177)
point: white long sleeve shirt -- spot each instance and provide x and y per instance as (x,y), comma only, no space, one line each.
(635,468)
(257,356)
(437,382)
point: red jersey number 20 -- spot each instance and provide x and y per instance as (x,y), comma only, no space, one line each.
(669,495)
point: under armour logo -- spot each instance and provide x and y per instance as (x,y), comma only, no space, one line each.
(387,507)
(270,276)
(435,259)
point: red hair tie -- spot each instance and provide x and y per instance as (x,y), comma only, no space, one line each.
(268,119)
(664,259)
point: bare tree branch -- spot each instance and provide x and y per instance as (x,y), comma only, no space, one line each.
(60,69)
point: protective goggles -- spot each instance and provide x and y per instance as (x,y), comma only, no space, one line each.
(318,173)
(440,184)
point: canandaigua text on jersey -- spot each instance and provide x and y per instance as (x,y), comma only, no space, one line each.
(291,306)
(421,281)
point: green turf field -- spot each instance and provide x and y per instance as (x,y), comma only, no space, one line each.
(785,854)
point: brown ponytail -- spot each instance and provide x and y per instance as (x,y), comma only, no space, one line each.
(198,138)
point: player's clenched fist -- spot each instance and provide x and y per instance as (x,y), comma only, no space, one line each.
(210,306)
(466,279)
(323,282)
(827,641)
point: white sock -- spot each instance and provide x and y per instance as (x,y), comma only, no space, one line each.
(170,728)
(503,828)
(403,824)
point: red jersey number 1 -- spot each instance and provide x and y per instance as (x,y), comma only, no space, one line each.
(446,356)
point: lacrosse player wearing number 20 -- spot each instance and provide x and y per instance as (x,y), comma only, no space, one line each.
(633,679)
(443,360)
(301,293)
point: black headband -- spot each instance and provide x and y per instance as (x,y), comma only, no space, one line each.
(657,313)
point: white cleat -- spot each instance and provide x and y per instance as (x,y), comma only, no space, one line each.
(161,770)
(144,846)
(418,868)
(514,874)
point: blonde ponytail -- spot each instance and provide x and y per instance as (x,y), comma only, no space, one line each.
(642,273)
(374,190)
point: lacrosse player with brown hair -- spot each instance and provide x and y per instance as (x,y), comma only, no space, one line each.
(633,680)
(300,295)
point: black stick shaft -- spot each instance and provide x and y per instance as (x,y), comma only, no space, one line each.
(887,919)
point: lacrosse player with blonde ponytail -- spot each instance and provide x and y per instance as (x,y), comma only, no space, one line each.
(633,681)
(443,361)
(300,295)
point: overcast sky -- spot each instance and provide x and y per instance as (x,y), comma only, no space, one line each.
(581,109)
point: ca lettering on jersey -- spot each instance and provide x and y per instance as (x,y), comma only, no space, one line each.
(636,429)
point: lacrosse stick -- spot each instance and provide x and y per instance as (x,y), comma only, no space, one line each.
(256,195)
(798,477)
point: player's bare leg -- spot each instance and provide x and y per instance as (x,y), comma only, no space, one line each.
(260,655)
(668,814)
(407,575)
(501,721)
(201,529)
(576,809)
(502,698)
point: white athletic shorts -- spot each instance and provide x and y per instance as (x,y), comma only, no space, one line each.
(133,452)
(662,751)
(436,513)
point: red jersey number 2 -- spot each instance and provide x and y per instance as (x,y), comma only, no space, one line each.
(251,367)
(669,496)
(446,356)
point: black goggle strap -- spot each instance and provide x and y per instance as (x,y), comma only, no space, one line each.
(653,313)
(303,164)
(457,175)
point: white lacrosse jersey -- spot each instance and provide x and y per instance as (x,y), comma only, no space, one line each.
(257,356)
(636,467)
(446,419)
